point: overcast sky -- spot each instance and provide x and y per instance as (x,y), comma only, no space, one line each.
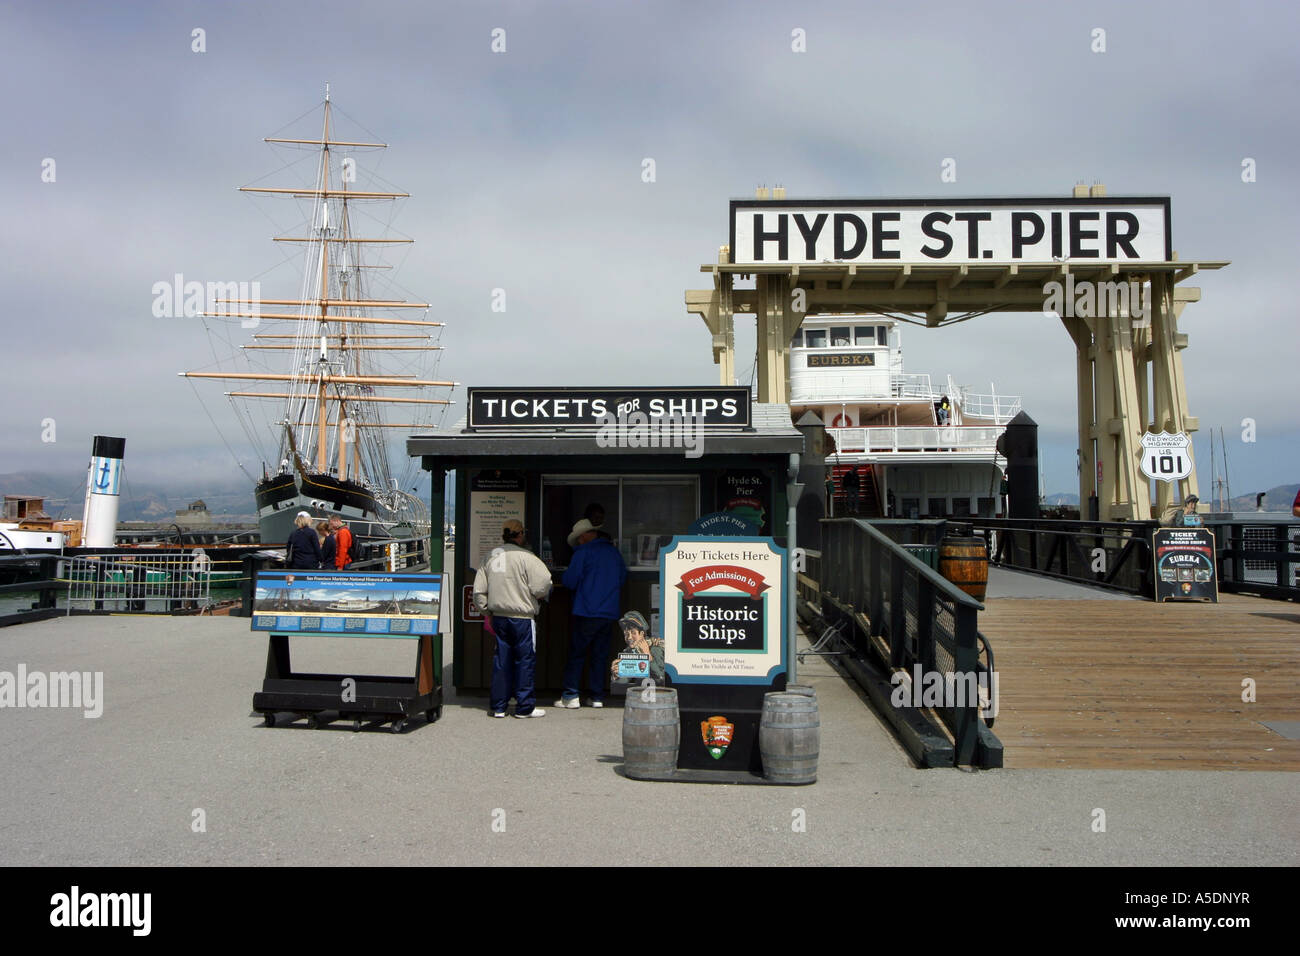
(525,174)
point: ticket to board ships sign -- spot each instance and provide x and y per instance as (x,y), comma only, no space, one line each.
(723,613)
(950,232)
(1184,565)
(346,604)
(712,406)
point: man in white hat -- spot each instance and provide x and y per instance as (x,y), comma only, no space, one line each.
(595,575)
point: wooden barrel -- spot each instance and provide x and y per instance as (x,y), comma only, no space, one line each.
(965,562)
(789,737)
(651,733)
(804,689)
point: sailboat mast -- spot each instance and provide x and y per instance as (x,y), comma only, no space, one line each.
(322,412)
(1227,481)
(1214,480)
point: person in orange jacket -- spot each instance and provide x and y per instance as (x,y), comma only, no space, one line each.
(342,543)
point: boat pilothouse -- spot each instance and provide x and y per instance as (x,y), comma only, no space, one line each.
(916,448)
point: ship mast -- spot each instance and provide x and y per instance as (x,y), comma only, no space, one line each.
(331,369)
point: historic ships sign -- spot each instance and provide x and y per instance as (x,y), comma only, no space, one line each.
(725,620)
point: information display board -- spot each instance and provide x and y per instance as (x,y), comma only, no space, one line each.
(1184,565)
(347,603)
(495,497)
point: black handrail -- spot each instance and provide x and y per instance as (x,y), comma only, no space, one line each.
(914,617)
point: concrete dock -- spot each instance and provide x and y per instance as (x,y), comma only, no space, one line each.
(177,736)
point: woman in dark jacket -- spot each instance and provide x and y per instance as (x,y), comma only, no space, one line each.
(303,550)
(326,539)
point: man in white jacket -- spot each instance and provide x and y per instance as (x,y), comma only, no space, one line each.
(508,587)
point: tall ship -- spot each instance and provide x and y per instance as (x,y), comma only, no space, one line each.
(321,379)
(917,448)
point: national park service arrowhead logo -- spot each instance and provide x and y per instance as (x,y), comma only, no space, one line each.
(717,734)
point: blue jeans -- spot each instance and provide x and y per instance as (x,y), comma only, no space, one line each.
(514,664)
(589,633)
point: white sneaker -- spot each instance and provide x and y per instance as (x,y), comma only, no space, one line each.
(535,712)
(598,703)
(499,713)
(568,703)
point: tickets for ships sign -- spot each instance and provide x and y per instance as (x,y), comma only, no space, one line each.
(723,610)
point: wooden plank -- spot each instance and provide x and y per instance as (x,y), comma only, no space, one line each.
(1137,685)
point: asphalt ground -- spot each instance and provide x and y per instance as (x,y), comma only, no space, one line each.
(177,736)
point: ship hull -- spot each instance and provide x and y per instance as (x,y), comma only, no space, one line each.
(280,498)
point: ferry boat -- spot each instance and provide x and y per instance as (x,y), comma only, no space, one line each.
(914,455)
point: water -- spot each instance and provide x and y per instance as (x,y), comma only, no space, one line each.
(14,602)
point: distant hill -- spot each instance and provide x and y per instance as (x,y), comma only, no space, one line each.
(228,500)
(1277,498)
(141,500)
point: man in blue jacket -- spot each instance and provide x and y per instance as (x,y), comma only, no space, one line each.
(595,576)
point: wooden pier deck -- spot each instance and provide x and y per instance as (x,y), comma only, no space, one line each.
(1134,685)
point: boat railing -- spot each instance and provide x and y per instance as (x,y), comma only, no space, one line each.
(950,438)
(911,386)
(1000,408)
(815,385)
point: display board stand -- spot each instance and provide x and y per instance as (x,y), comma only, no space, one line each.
(318,697)
(742,704)
(349,605)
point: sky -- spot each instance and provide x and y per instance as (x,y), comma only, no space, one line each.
(525,172)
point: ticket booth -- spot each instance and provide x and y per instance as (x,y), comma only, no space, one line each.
(654,459)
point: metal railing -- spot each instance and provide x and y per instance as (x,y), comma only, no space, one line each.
(396,554)
(905,615)
(949,438)
(1258,557)
(864,384)
(147,584)
(1109,554)
(1252,557)
(1000,408)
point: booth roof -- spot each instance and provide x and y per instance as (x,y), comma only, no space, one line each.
(773,433)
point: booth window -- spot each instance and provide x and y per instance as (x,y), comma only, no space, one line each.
(865,334)
(840,336)
(797,341)
(654,509)
(641,513)
(816,338)
(564,501)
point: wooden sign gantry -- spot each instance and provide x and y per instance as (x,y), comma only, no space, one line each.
(1129,379)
